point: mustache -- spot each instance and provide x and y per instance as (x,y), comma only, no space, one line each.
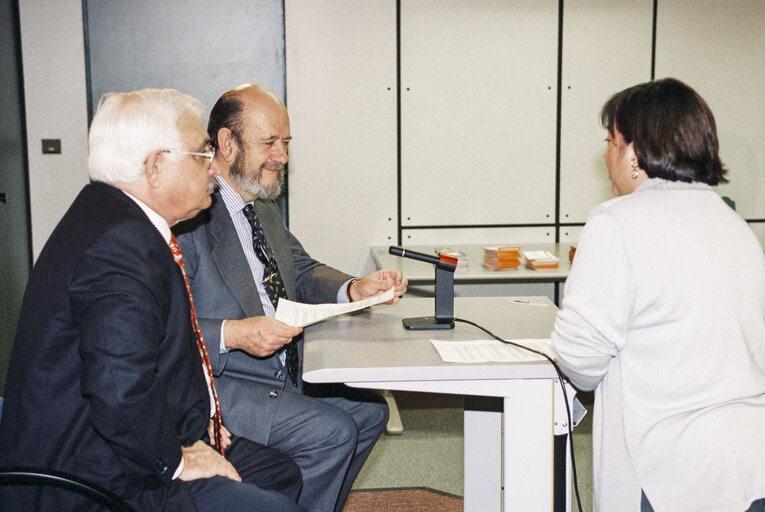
(274,167)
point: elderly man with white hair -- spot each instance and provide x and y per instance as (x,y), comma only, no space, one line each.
(109,378)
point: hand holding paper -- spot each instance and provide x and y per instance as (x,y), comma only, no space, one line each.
(298,314)
(372,284)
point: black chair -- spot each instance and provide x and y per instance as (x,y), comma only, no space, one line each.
(51,478)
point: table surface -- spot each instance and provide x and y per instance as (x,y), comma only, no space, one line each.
(508,456)
(420,272)
(372,345)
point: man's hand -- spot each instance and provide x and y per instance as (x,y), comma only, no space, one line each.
(376,282)
(259,336)
(201,461)
(224,434)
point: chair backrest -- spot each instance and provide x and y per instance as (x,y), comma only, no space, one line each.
(51,478)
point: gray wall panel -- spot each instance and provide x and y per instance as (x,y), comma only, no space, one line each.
(198,47)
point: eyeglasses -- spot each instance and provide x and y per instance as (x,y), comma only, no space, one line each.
(209,155)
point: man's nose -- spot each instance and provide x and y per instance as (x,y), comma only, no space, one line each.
(213,169)
(279,153)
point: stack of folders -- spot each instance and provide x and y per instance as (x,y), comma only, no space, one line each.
(461,257)
(502,257)
(540,259)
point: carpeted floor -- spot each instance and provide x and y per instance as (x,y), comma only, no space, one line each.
(402,500)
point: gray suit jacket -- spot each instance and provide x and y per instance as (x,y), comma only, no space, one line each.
(249,388)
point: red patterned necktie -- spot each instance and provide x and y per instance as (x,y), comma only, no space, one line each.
(218,426)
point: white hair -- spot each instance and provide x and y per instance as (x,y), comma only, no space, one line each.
(129,126)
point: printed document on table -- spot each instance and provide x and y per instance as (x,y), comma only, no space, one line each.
(299,314)
(485,351)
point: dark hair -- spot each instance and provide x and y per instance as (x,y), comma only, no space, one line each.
(672,130)
(227,113)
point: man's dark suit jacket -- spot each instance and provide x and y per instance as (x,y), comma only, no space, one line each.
(105,379)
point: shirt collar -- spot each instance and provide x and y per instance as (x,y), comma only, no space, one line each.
(662,184)
(231,198)
(156,219)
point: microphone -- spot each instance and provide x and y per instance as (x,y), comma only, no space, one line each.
(445,267)
(442,261)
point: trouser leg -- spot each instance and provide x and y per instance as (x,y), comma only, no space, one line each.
(369,413)
(321,438)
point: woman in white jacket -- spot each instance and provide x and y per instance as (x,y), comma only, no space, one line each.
(664,317)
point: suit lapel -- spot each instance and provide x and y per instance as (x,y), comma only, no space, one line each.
(229,258)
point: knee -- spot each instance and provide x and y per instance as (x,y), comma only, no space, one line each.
(383,413)
(335,431)
(293,479)
(291,472)
(344,430)
(374,416)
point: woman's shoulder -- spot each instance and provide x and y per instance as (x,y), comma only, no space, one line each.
(608,207)
(652,193)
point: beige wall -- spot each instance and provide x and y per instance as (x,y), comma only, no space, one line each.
(55,100)
(56,107)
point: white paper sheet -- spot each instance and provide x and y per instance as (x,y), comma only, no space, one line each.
(539,255)
(299,314)
(533,301)
(484,351)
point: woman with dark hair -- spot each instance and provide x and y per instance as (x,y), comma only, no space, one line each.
(663,316)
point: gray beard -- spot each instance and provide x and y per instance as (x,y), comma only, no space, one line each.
(251,183)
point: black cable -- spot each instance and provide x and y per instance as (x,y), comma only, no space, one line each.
(563,388)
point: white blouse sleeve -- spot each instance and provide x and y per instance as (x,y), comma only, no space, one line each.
(591,327)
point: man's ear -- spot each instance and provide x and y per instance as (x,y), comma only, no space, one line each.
(152,168)
(227,146)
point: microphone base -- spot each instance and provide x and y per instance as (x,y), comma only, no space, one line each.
(427,323)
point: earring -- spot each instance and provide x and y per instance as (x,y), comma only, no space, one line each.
(634,172)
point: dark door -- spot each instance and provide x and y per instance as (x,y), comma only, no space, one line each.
(15,245)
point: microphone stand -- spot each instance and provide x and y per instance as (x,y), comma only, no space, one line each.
(445,267)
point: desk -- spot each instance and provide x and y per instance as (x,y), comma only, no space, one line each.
(514,450)
(419,272)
